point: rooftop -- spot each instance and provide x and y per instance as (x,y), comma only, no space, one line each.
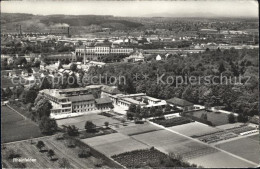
(81,98)
(103,100)
(110,90)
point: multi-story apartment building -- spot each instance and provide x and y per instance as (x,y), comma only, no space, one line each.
(76,100)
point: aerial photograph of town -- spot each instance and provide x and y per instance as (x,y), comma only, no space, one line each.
(129,84)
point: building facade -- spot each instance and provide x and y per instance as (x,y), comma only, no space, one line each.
(76,100)
(102,50)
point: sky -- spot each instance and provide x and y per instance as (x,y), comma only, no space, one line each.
(220,8)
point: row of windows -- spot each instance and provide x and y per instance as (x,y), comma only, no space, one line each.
(83,110)
(82,106)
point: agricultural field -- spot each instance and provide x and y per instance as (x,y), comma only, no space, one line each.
(244,147)
(26,149)
(221,160)
(113,144)
(15,127)
(169,142)
(214,117)
(193,129)
(80,121)
(254,137)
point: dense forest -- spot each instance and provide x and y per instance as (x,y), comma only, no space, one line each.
(240,96)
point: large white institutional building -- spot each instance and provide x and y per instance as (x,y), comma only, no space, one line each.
(102,50)
(76,100)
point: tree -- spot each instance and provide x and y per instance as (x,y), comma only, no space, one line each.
(40,144)
(231,118)
(29,96)
(47,125)
(20,61)
(70,143)
(64,163)
(153,111)
(204,116)
(84,153)
(72,130)
(159,112)
(242,118)
(138,109)
(73,67)
(29,107)
(45,84)
(10,154)
(98,162)
(221,68)
(132,108)
(59,136)
(129,115)
(3,95)
(168,108)
(90,126)
(51,153)
(43,109)
(8,92)
(106,124)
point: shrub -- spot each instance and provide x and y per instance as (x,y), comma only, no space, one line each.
(72,130)
(64,163)
(70,143)
(84,153)
(59,136)
(10,154)
(98,162)
(90,126)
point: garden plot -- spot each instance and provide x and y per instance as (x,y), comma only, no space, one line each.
(114,144)
(169,142)
(193,129)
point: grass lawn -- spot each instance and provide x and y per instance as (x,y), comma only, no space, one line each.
(220,160)
(28,150)
(254,137)
(113,144)
(138,129)
(80,121)
(216,118)
(244,147)
(21,108)
(99,132)
(194,128)
(15,127)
